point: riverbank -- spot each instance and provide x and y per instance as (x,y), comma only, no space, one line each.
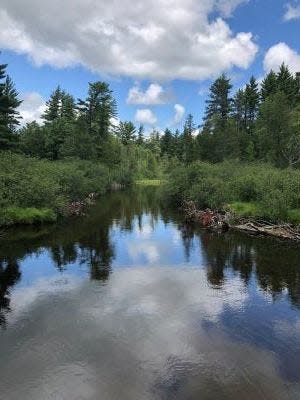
(34,191)
(255,197)
(224,221)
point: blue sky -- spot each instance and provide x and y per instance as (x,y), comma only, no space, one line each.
(158,56)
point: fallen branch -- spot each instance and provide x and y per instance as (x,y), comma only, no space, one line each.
(221,221)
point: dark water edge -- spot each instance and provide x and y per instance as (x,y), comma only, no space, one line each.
(131,302)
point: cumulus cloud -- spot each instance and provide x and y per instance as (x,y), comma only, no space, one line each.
(292,12)
(179,113)
(145,116)
(280,53)
(156,40)
(155,94)
(32,108)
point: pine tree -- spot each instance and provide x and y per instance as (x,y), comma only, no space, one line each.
(188,142)
(297,84)
(219,104)
(53,106)
(68,107)
(238,109)
(286,83)
(12,101)
(166,142)
(251,100)
(126,132)
(9,116)
(269,85)
(60,105)
(98,109)
(140,138)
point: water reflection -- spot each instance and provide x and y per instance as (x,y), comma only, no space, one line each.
(132,300)
(89,241)
(9,275)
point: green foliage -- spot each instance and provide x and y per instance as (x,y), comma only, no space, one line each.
(255,189)
(31,183)
(294,216)
(244,209)
(27,216)
(9,115)
(98,109)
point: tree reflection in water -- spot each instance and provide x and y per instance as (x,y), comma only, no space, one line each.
(88,241)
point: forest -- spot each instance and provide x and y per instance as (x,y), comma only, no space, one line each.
(245,155)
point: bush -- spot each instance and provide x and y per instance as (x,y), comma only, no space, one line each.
(17,215)
(29,183)
(252,189)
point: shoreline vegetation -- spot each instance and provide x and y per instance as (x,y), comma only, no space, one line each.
(242,162)
(255,198)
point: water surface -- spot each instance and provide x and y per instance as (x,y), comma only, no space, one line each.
(129,302)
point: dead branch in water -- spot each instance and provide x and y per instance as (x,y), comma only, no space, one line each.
(221,221)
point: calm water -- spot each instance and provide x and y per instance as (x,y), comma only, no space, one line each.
(131,303)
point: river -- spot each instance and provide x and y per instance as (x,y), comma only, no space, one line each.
(129,302)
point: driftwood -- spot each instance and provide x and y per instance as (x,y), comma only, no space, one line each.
(77,208)
(207,218)
(221,221)
(280,231)
(2,232)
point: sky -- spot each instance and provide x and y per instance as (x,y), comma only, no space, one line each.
(159,56)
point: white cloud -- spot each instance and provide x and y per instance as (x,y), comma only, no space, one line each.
(155,94)
(145,116)
(115,122)
(164,39)
(32,108)
(292,12)
(280,53)
(179,113)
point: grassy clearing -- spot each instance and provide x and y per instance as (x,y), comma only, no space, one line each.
(149,182)
(244,209)
(26,216)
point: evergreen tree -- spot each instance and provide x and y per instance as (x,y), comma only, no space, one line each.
(60,105)
(126,132)
(238,109)
(98,109)
(53,106)
(140,138)
(166,143)
(274,128)
(251,101)
(9,116)
(68,107)
(219,104)
(269,85)
(286,83)
(188,142)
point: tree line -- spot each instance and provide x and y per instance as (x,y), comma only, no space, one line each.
(257,122)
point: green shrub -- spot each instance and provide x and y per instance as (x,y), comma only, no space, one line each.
(26,182)
(17,215)
(251,189)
